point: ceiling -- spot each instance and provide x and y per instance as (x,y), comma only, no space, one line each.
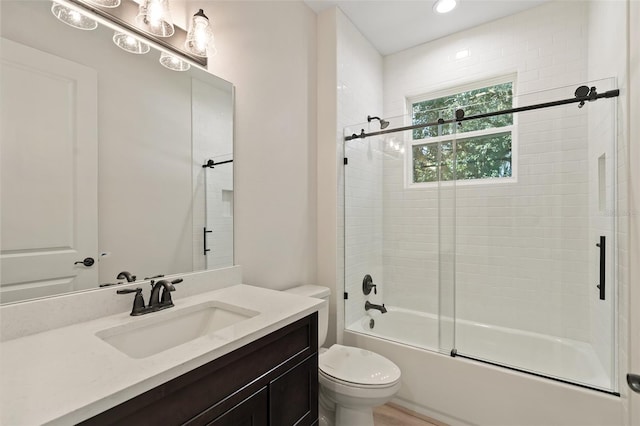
(395,25)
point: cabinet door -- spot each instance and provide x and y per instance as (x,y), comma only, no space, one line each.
(250,412)
(293,397)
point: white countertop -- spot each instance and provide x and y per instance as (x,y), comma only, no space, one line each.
(68,374)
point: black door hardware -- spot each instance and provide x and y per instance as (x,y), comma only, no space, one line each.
(603,248)
(88,261)
(633,380)
(211,164)
(204,237)
(582,94)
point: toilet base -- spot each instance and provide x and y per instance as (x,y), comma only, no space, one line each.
(326,411)
(362,416)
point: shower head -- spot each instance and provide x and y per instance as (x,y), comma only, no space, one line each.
(383,123)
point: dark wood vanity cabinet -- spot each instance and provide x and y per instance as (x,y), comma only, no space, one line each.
(271,381)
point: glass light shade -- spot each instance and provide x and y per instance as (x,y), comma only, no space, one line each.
(445,6)
(154,17)
(130,43)
(72,17)
(173,63)
(104,3)
(199,35)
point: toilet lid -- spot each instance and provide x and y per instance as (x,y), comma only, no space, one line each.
(357,365)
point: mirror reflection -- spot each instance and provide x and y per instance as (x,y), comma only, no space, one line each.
(102,160)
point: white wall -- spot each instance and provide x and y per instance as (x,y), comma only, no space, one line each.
(329,230)
(268,51)
(349,89)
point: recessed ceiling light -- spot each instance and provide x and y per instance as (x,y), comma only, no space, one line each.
(444,6)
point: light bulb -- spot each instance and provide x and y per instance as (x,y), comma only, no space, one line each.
(199,35)
(445,6)
(173,63)
(73,17)
(154,17)
(130,43)
(105,3)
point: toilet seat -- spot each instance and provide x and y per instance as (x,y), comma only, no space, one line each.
(357,367)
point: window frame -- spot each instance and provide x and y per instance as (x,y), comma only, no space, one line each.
(410,143)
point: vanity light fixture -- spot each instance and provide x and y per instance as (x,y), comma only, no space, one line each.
(173,63)
(140,26)
(130,43)
(154,17)
(199,35)
(444,6)
(73,17)
(104,3)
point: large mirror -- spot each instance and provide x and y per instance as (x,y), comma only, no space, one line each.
(102,160)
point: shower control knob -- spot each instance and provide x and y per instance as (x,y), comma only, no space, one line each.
(367,285)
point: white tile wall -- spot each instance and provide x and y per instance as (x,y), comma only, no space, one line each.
(521,249)
(359,94)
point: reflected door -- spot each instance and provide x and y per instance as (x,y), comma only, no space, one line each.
(49,129)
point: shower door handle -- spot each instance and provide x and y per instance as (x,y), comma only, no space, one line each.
(603,248)
(204,237)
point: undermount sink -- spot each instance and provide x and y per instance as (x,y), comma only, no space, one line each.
(157,332)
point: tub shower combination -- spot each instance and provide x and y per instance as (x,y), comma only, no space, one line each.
(517,271)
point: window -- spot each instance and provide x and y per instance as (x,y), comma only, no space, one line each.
(474,149)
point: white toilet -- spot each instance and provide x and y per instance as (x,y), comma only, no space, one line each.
(352,380)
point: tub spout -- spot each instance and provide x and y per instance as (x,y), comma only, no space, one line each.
(368,305)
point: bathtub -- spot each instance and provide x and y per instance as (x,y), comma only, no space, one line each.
(457,390)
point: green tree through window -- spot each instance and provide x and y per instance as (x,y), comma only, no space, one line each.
(485,153)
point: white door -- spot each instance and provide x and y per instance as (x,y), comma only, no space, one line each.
(48,159)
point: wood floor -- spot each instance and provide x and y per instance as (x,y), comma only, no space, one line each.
(387,415)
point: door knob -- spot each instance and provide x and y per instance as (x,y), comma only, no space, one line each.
(88,261)
(633,380)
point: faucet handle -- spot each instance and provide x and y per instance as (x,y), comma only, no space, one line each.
(128,290)
(138,300)
(155,276)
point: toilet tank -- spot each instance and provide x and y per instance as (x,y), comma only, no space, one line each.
(318,292)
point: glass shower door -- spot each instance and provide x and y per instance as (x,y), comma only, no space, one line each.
(392,233)
(534,251)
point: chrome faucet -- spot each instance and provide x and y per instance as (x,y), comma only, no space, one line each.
(368,305)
